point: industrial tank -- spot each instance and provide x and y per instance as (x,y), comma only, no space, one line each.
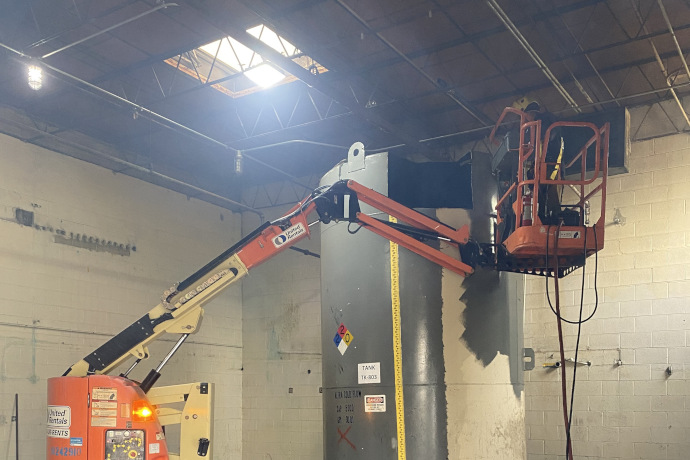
(443,370)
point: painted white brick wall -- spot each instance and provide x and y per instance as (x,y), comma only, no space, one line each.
(58,302)
(632,411)
(282,350)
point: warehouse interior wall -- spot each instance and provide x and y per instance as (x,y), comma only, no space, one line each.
(281,379)
(62,294)
(626,404)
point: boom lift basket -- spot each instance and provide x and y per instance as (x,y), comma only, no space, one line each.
(546,208)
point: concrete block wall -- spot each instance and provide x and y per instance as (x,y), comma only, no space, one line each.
(281,380)
(59,302)
(633,410)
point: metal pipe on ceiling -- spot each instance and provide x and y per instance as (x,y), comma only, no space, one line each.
(584,106)
(296,141)
(150,115)
(512,28)
(480,117)
(675,39)
(589,61)
(136,167)
(660,62)
(140,110)
(108,29)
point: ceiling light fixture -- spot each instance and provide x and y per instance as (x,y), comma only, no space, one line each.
(264,75)
(35,77)
(239,166)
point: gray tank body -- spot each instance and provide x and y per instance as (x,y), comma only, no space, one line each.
(356,295)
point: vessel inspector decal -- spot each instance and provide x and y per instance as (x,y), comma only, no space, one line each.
(374,403)
(289,235)
(58,422)
(574,234)
(343,338)
(369,373)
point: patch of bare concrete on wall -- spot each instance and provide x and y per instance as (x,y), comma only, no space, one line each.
(486,415)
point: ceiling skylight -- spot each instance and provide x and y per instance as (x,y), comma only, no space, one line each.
(234,69)
(232,53)
(273,40)
(264,75)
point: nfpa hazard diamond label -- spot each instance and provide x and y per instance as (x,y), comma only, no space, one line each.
(343,338)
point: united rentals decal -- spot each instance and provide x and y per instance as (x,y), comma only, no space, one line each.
(289,235)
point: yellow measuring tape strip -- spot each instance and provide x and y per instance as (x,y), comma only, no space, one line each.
(397,348)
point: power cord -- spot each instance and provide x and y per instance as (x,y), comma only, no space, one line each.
(569,416)
(569,451)
(548,298)
(577,347)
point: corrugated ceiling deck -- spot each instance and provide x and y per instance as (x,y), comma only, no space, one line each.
(398,72)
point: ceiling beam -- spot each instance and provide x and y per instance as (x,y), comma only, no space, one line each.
(602,71)
(544,16)
(520,38)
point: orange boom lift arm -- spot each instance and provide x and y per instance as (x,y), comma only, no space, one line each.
(93,415)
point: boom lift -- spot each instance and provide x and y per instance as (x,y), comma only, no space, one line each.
(93,415)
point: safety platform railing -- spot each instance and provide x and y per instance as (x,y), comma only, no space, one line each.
(567,232)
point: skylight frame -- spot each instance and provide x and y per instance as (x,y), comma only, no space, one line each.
(225,61)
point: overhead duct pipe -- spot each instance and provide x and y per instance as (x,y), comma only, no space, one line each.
(660,62)
(512,28)
(675,39)
(108,29)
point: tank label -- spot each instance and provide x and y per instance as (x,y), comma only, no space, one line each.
(368,373)
(154,448)
(76,441)
(290,234)
(343,338)
(59,416)
(569,234)
(57,432)
(374,403)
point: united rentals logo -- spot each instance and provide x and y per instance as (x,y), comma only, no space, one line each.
(289,235)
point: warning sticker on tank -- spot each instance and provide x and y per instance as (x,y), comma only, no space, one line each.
(572,234)
(104,412)
(57,432)
(59,416)
(104,405)
(368,373)
(104,421)
(343,338)
(374,403)
(154,448)
(289,235)
(104,394)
